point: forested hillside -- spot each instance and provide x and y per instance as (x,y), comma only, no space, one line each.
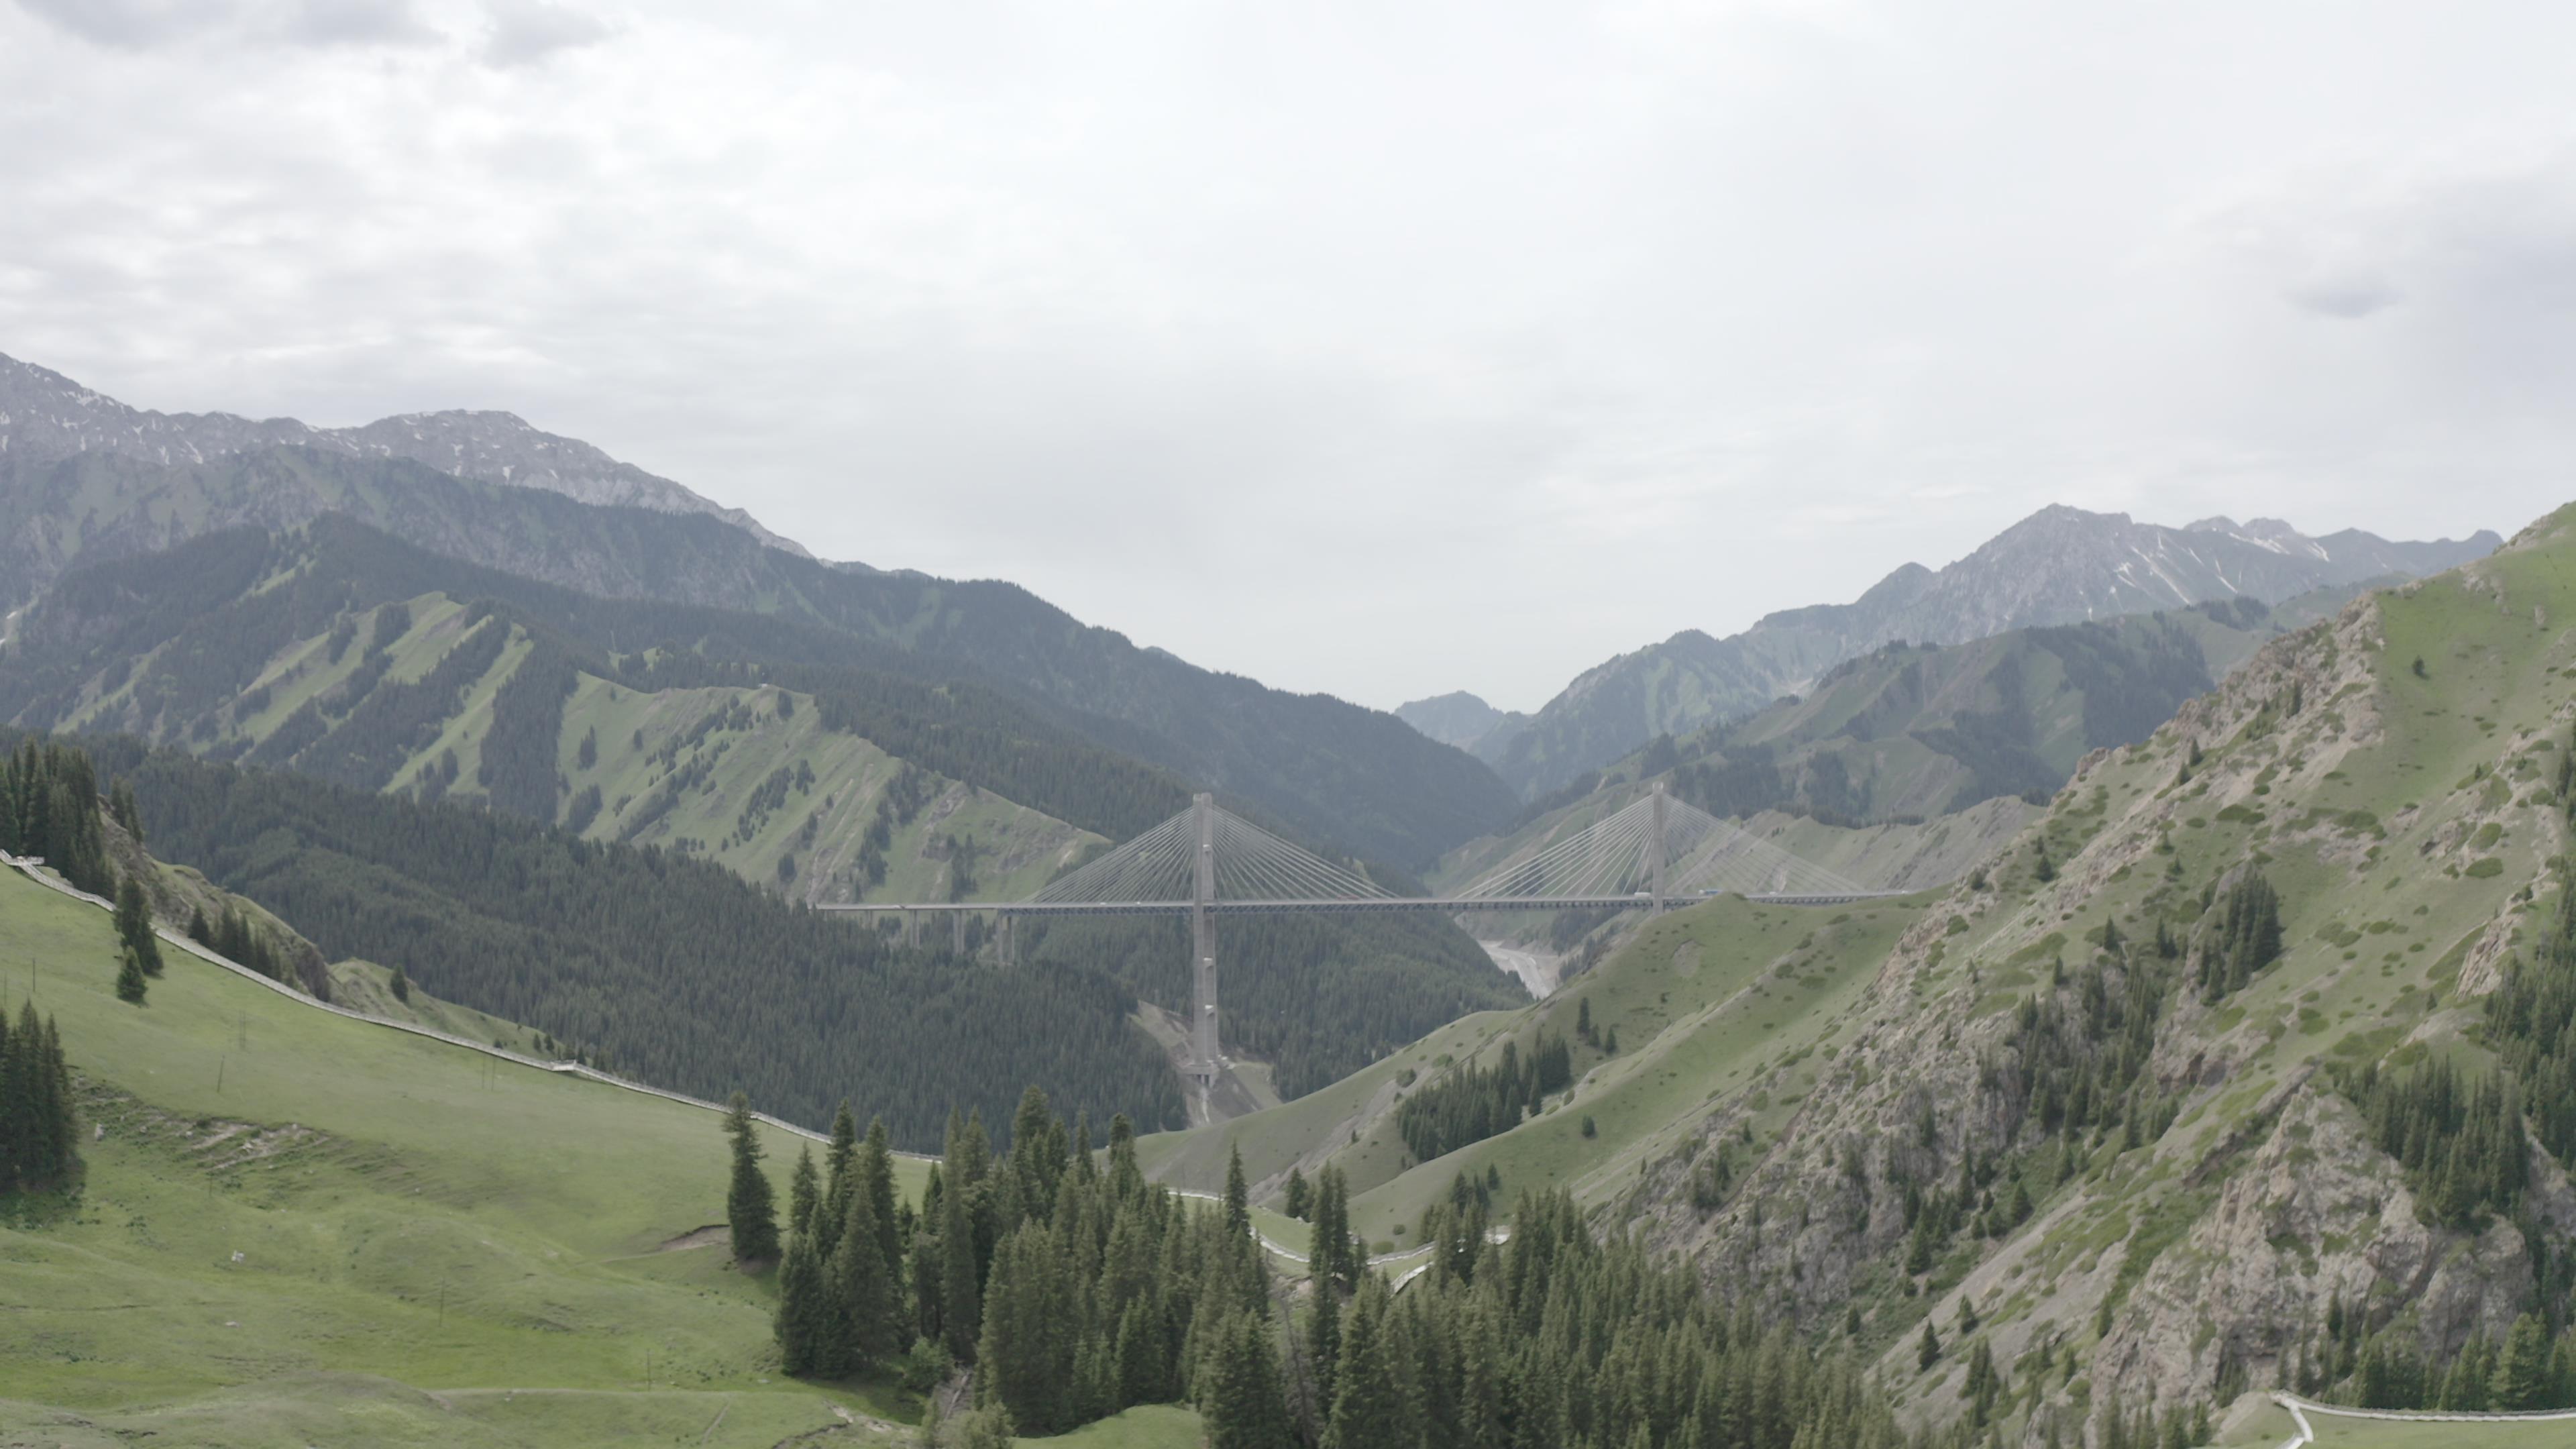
(2234,1070)
(1329,769)
(670,969)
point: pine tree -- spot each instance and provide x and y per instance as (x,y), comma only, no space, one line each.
(863,1289)
(749,1209)
(876,1179)
(1336,1257)
(1324,1342)
(960,1268)
(2523,1378)
(134,925)
(130,981)
(1238,1202)
(1300,1195)
(802,1309)
(1928,1351)
(2042,868)
(1368,1408)
(1025,1357)
(838,1182)
(1239,1398)
(804,1190)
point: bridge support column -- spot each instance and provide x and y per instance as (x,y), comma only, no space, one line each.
(1203,1033)
(1655,851)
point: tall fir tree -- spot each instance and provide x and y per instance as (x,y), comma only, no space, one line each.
(1239,1397)
(864,1289)
(131,984)
(803,1309)
(1238,1199)
(134,925)
(749,1209)
(876,1179)
(804,1190)
(1369,1406)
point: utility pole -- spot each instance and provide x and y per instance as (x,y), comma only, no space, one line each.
(1655,849)
(1203,943)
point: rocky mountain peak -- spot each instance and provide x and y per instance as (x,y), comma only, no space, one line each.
(45,416)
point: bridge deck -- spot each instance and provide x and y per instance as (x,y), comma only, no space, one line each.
(1444,905)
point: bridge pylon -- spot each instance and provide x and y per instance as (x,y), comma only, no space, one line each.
(1204,1055)
(1655,850)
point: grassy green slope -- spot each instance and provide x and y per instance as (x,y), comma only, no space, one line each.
(421,1231)
(1699,999)
(1015,849)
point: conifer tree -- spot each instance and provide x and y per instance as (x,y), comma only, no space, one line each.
(1368,1407)
(876,1178)
(1300,1198)
(1238,1200)
(961,1293)
(1927,1352)
(2523,1372)
(802,1309)
(749,1208)
(134,925)
(1125,1178)
(862,1291)
(1336,1257)
(838,1182)
(1240,1400)
(1025,1358)
(804,1190)
(130,981)
(1324,1341)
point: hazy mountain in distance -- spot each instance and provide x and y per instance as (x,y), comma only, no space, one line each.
(2061,565)
(45,416)
(1461,719)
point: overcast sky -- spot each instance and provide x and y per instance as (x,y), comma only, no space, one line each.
(1378,349)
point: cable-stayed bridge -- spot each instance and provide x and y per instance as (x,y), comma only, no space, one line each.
(1207,862)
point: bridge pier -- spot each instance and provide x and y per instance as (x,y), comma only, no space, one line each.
(1655,852)
(1203,1034)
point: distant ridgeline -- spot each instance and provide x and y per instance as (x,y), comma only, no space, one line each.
(208,619)
(659,583)
(335,653)
(1912,731)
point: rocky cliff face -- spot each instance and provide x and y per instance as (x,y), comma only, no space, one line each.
(2390,774)
(45,417)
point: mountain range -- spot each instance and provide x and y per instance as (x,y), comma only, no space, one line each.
(85,481)
(2061,565)
(46,416)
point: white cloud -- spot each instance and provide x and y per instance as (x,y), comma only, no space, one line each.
(1380,349)
(526,32)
